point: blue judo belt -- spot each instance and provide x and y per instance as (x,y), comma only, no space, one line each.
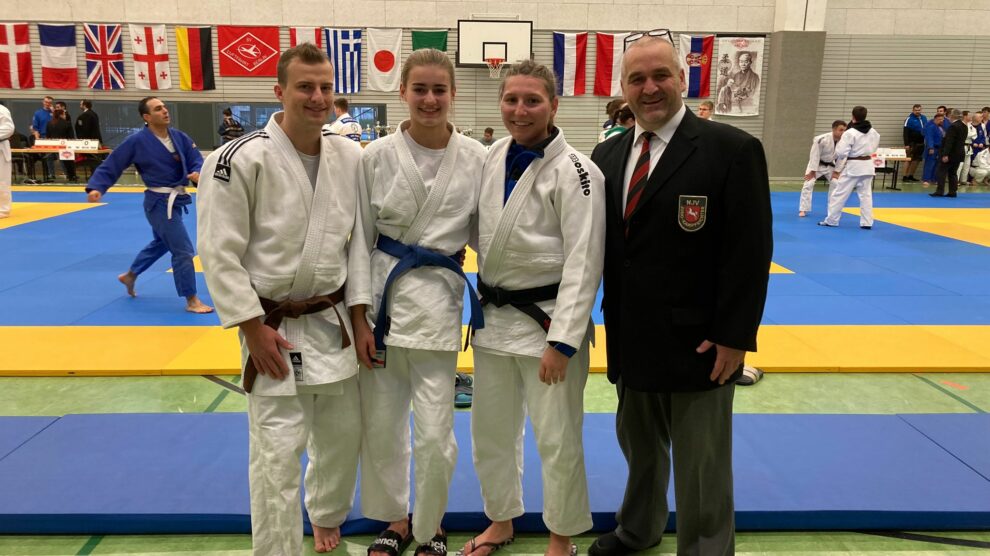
(414,256)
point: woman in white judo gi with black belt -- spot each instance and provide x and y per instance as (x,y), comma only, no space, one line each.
(422,185)
(541,219)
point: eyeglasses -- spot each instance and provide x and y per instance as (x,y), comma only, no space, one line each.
(633,37)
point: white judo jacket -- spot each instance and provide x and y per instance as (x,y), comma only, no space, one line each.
(822,149)
(425,304)
(264,232)
(552,229)
(856,143)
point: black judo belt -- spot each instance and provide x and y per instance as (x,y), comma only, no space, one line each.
(524,300)
(823,163)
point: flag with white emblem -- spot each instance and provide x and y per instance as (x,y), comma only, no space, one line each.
(149,46)
(16,69)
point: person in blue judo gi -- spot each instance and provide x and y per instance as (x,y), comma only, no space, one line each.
(934,132)
(168,161)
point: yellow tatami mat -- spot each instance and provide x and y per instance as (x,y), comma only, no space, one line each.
(181,350)
(964,224)
(23,213)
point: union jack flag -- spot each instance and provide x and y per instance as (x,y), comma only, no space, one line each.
(104,56)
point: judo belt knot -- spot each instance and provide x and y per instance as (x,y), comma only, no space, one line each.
(276,311)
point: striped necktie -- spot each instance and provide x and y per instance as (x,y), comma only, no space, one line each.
(638,180)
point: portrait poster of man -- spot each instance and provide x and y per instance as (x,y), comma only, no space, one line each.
(740,63)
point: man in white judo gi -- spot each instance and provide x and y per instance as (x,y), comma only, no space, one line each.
(279,234)
(854,170)
(821,162)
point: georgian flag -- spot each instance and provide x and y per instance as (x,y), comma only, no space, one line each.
(58,56)
(299,35)
(569,57)
(149,45)
(384,56)
(16,69)
(608,49)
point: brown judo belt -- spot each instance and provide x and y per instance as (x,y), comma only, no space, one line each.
(276,311)
(864,157)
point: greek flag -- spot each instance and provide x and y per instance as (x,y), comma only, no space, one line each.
(344,50)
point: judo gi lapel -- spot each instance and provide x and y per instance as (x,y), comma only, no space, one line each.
(316,203)
(179,151)
(681,146)
(427,203)
(517,199)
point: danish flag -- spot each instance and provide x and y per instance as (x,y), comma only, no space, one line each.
(104,56)
(16,70)
(150,48)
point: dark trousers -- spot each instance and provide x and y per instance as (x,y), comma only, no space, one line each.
(697,427)
(950,168)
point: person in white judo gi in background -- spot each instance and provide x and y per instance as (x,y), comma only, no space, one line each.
(541,219)
(423,184)
(280,234)
(854,170)
(6,130)
(821,162)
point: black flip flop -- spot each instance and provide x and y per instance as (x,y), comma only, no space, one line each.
(494,546)
(436,547)
(391,543)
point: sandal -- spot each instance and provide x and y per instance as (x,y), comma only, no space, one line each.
(494,546)
(436,547)
(391,543)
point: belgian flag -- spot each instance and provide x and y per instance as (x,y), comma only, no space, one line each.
(195,45)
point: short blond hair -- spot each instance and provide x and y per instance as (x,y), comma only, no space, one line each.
(532,69)
(307,53)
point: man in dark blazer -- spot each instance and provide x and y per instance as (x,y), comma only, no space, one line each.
(953,151)
(687,261)
(88,123)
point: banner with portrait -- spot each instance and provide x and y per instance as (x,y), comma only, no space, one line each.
(740,63)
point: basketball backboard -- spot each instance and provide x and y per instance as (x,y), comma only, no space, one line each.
(480,39)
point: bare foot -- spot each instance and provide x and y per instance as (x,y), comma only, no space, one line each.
(559,546)
(325,539)
(400,527)
(194,305)
(802,213)
(498,532)
(127,279)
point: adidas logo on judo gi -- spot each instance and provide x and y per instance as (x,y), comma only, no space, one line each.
(222,173)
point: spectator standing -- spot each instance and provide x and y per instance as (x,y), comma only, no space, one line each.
(230,128)
(914,140)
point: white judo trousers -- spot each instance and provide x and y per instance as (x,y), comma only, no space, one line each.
(506,387)
(425,379)
(325,421)
(808,188)
(844,186)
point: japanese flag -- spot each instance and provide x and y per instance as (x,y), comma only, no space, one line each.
(384,59)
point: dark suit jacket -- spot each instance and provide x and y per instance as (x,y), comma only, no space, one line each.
(88,126)
(668,289)
(954,143)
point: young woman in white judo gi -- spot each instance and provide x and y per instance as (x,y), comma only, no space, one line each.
(280,233)
(422,184)
(541,232)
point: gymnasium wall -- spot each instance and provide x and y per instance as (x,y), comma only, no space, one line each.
(476,105)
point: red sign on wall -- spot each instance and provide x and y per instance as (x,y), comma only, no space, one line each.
(248,51)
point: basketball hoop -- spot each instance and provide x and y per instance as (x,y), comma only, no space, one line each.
(495,67)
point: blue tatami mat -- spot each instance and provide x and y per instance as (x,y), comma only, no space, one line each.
(965,436)
(175,473)
(15,431)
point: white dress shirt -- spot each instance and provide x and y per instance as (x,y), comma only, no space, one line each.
(657,146)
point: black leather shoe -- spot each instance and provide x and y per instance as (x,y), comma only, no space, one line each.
(609,544)
(951,195)
(935,195)
(866,227)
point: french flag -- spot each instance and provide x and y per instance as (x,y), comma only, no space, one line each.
(608,52)
(299,35)
(569,56)
(58,56)
(697,54)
